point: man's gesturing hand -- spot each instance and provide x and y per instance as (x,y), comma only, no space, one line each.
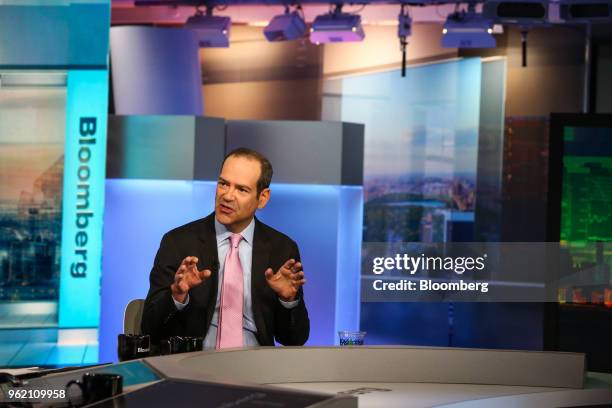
(186,277)
(287,280)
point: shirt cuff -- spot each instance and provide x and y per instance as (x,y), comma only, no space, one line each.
(288,305)
(179,305)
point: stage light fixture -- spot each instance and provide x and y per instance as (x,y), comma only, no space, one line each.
(286,27)
(585,11)
(404,29)
(521,12)
(336,26)
(468,29)
(404,24)
(210,31)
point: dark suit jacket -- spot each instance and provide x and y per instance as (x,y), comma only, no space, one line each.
(271,249)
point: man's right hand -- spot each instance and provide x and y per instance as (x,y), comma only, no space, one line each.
(186,277)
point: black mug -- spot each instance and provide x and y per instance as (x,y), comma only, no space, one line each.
(192,344)
(131,346)
(179,344)
(171,345)
(97,386)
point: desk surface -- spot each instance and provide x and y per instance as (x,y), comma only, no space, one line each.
(369,377)
(412,395)
(406,376)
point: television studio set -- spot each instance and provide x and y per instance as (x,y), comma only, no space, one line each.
(306,203)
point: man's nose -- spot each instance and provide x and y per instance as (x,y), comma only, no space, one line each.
(229,194)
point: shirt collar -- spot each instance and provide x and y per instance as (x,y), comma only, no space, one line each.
(223,233)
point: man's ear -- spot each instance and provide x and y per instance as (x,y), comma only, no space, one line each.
(264,196)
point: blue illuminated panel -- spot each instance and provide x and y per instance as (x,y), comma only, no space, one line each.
(137,214)
(83,198)
(325,221)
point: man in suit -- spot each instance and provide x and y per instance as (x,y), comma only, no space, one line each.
(228,277)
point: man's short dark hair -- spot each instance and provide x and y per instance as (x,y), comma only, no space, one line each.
(266,167)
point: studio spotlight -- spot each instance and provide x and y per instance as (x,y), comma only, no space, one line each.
(524,13)
(404,24)
(467,29)
(286,27)
(210,31)
(520,12)
(336,27)
(584,11)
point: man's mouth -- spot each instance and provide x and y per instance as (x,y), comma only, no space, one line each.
(225,209)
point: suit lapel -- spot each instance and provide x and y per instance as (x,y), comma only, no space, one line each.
(260,262)
(210,259)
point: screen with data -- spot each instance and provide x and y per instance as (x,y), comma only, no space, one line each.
(586,219)
(580,199)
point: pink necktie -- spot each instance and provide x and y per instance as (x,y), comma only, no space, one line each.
(229,332)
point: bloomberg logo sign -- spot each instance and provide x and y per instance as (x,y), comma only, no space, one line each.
(87,133)
(83,198)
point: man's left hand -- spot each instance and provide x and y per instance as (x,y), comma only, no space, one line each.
(287,280)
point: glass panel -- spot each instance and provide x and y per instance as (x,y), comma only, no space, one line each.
(421,145)
(32,120)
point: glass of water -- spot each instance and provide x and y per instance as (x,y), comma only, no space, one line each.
(351,338)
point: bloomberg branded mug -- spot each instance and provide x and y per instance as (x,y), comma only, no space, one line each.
(97,386)
(131,346)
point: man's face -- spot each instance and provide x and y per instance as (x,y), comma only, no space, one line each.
(236,199)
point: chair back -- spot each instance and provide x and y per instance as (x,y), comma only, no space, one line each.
(133,316)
